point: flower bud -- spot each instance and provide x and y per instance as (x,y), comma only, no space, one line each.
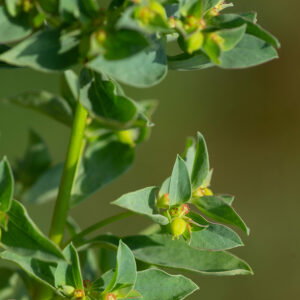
(194,42)
(27,5)
(200,192)
(178,226)
(110,296)
(101,36)
(184,209)
(126,137)
(79,293)
(68,290)
(163,201)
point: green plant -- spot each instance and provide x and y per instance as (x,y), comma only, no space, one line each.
(122,41)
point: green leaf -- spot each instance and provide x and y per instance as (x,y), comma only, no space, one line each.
(6,185)
(180,184)
(25,239)
(70,88)
(201,163)
(125,273)
(212,49)
(143,69)
(156,284)
(219,210)
(142,202)
(35,161)
(187,62)
(250,51)
(46,50)
(165,187)
(162,251)
(13,29)
(69,9)
(46,103)
(231,36)
(227,198)
(189,154)
(236,20)
(42,271)
(102,154)
(11,285)
(101,99)
(68,272)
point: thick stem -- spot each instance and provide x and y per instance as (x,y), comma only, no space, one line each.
(101,224)
(68,178)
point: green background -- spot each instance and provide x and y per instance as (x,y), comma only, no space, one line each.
(251,122)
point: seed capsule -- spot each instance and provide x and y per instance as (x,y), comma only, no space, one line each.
(178,227)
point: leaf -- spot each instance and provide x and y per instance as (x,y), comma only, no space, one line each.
(68,272)
(6,185)
(143,69)
(215,238)
(180,184)
(42,271)
(162,251)
(250,51)
(156,284)
(187,62)
(219,210)
(25,239)
(231,36)
(46,50)
(201,163)
(69,9)
(125,273)
(70,88)
(236,20)
(227,198)
(101,99)
(165,187)
(109,155)
(35,161)
(46,103)
(12,29)
(142,202)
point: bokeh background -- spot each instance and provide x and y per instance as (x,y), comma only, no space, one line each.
(251,121)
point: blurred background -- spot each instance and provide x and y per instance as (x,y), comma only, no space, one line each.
(251,121)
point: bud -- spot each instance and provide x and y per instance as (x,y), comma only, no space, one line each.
(178,227)
(146,14)
(68,290)
(27,5)
(101,36)
(184,209)
(110,296)
(126,137)
(194,23)
(174,211)
(163,201)
(194,42)
(200,192)
(158,9)
(79,293)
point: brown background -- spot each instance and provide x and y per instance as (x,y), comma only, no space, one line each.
(250,119)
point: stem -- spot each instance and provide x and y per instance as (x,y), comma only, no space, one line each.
(101,224)
(68,178)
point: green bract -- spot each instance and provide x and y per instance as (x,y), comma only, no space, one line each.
(124,42)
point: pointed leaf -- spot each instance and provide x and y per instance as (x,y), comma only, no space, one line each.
(250,51)
(180,184)
(24,238)
(231,36)
(6,185)
(219,210)
(125,273)
(143,69)
(68,272)
(44,51)
(142,202)
(201,163)
(41,271)
(227,198)
(12,29)
(156,284)
(46,103)
(162,251)
(165,187)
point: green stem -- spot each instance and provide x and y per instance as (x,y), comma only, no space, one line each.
(68,178)
(101,224)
